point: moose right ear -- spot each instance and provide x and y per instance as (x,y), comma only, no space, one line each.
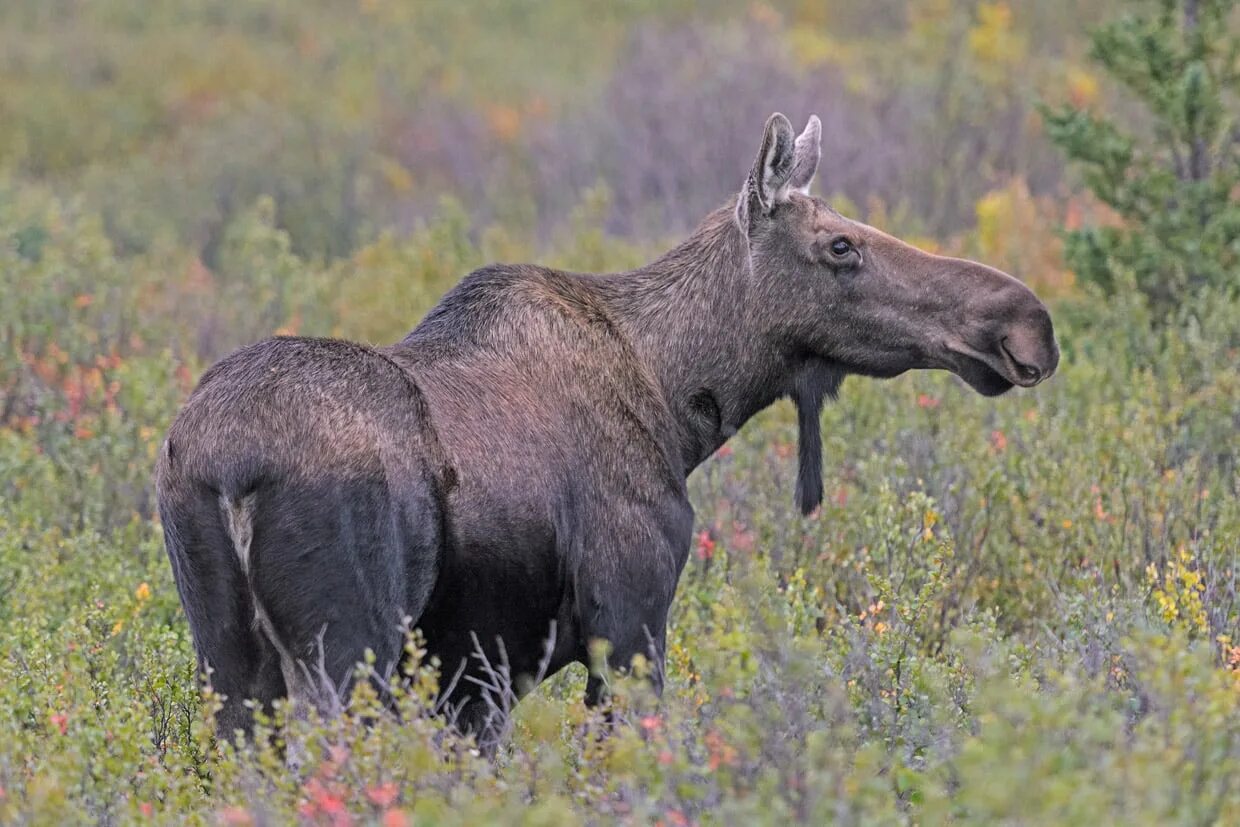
(806,156)
(768,181)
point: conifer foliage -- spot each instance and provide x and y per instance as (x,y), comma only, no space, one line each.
(1172,174)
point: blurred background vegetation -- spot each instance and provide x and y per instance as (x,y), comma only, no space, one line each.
(1020,610)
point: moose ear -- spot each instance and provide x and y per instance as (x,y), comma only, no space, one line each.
(806,156)
(767,184)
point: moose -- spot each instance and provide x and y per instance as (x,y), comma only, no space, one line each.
(518,462)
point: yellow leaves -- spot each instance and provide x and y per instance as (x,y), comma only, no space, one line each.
(992,39)
(809,46)
(1082,86)
(990,210)
(504,121)
(395,175)
(925,242)
(142,594)
(927,17)
(1177,592)
(1016,232)
(871,614)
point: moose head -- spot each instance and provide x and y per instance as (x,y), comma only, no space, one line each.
(856,300)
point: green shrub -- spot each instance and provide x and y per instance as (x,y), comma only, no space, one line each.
(1020,609)
(1172,182)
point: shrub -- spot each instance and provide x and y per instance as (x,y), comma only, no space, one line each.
(1173,179)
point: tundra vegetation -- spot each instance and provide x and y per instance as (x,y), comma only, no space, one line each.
(1020,609)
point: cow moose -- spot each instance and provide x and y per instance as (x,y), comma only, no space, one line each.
(518,462)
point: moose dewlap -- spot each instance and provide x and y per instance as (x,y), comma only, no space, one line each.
(517,463)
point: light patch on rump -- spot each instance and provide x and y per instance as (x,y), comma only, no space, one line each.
(239,517)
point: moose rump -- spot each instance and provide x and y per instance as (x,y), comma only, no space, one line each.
(302,510)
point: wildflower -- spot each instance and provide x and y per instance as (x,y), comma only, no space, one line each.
(724,451)
(396,818)
(236,816)
(742,538)
(705,546)
(382,795)
(143,592)
(721,752)
(651,723)
(998,440)
(927,401)
(146,809)
(1100,512)
(60,721)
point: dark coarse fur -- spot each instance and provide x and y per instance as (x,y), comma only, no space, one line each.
(517,464)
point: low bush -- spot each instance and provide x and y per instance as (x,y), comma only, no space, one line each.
(1019,610)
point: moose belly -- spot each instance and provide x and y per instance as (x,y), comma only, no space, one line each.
(502,592)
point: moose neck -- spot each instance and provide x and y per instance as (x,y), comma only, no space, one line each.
(691,317)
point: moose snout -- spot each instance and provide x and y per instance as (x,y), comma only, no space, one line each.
(1029,349)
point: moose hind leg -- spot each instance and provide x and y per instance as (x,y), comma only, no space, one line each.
(238,663)
(336,568)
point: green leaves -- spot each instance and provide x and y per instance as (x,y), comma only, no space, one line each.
(1172,180)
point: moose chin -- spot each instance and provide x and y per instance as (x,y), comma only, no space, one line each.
(517,463)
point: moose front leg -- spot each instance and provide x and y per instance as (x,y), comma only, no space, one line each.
(620,661)
(625,583)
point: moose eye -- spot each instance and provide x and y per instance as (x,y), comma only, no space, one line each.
(840,248)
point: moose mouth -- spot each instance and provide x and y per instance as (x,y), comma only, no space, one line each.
(992,374)
(982,377)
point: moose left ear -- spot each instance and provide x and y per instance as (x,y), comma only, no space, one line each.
(806,156)
(767,184)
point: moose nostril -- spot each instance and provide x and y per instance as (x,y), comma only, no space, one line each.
(1026,372)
